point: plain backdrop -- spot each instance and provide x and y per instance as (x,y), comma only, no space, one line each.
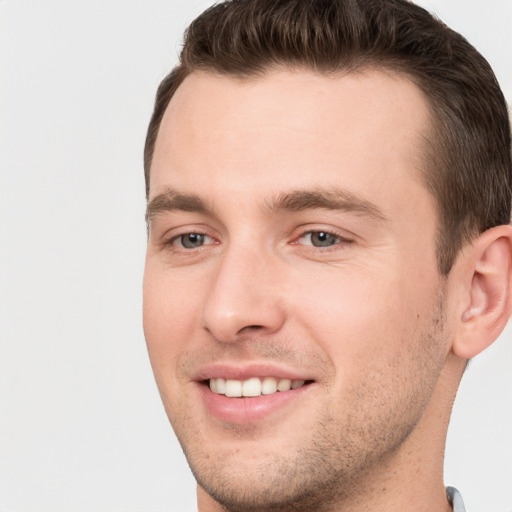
(82,428)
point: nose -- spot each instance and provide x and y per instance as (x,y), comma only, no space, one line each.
(245,297)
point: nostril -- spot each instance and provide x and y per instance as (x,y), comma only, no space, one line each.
(251,328)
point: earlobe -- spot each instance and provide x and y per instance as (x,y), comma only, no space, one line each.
(488,306)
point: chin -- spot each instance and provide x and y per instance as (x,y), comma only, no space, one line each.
(277,485)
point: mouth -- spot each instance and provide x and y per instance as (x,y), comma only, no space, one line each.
(254,386)
(240,397)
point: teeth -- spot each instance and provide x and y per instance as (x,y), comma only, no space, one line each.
(297,384)
(268,386)
(233,388)
(253,386)
(284,385)
(221,386)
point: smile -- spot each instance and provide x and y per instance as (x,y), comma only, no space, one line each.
(245,394)
(252,387)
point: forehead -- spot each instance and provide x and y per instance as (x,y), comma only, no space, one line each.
(363,131)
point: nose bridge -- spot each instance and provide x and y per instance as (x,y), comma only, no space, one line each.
(244,294)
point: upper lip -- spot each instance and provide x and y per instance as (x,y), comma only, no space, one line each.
(244,371)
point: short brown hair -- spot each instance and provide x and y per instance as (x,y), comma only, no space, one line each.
(468,156)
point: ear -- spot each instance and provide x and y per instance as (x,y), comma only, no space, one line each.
(487,306)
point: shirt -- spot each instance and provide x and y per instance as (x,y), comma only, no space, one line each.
(455,499)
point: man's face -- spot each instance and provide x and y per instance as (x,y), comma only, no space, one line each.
(292,242)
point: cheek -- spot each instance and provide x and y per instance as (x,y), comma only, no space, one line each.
(169,317)
(362,318)
(385,348)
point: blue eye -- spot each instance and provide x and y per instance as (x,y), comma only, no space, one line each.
(191,240)
(320,239)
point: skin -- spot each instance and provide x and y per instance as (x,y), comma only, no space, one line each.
(369,318)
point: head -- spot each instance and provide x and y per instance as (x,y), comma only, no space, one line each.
(328,184)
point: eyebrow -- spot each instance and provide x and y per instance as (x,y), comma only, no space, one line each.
(329,199)
(173,201)
(294,201)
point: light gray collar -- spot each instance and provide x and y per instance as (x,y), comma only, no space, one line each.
(455,499)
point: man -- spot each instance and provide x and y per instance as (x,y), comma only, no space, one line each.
(328,204)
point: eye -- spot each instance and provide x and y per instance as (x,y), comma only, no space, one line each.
(191,240)
(320,239)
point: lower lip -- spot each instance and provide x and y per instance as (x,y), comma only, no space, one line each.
(246,410)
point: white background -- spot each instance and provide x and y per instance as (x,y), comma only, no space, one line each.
(81,424)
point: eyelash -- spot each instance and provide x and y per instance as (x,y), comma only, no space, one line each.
(340,240)
(172,241)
